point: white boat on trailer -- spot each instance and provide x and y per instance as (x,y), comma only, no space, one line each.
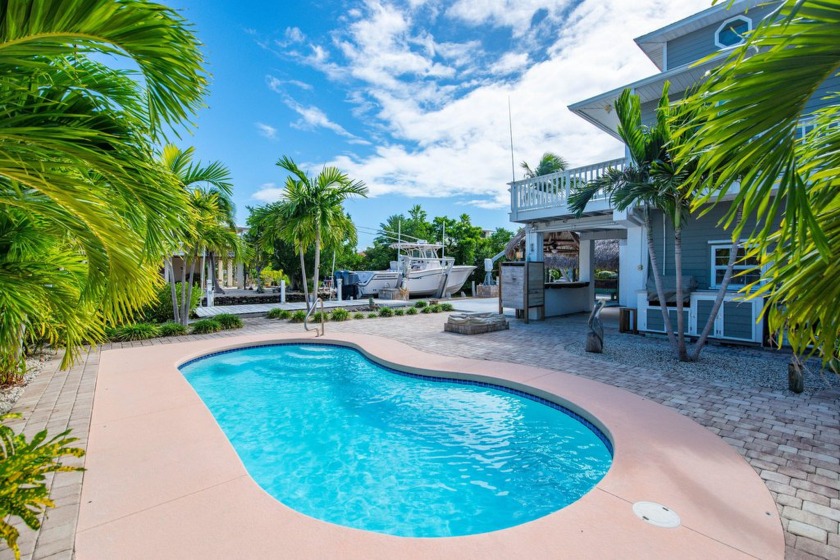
(420,269)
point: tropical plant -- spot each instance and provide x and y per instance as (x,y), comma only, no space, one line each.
(783,62)
(436,308)
(171,328)
(446,307)
(76,168)
(339,314)
(270,276)
(549,163)
(386,312)
(319,316)
(211,213)
(427,309)
(135,331)
(411,311)
(229,321)
(372,315)
(420,304)
(277,313)
(656,179)
(298,316)
(206,326)
(313,210)
(399,312)
(358,315)
(23,469)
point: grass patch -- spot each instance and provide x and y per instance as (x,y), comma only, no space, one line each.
(278,313)
(206,326)
(135,331)
(229,321)
(340,314)
(171,328)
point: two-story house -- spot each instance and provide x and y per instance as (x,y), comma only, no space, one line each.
(684,52)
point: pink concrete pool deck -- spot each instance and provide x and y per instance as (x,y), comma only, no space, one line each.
(162,480)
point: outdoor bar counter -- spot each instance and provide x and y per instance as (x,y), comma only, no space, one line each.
(565,298)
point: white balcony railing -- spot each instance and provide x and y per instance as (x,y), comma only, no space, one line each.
(549,194)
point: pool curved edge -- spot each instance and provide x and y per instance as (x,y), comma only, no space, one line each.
(159,464)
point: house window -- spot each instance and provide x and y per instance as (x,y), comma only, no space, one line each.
(746,270)
(732,31)
(804,126)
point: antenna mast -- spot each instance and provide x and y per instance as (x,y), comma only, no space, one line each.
(510,124)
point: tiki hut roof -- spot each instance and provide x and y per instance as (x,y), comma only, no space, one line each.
(555,244)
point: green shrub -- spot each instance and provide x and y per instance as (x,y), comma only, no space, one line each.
(446,307)
(358,315)
(111,333)
(386,312)
(426,310)
(206,326)
(229,321)
(23,469)
(136,331)
(420,304)
(298,316)
(340,314)
(316,317)
(171,328)
(411,311)
(278,313)
(161,310)
(399,312)
(435,308)
(372,315)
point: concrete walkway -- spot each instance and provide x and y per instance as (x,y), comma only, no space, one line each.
(791,441)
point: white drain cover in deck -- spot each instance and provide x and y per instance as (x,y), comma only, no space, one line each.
(656,514)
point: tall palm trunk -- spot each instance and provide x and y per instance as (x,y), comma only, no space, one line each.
(681,350)
(176,315)
(727,276)
(317,264)
(660,292)
(185,311)
(303,274)
(183,319)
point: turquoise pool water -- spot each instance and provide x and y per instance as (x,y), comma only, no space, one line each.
(337,437)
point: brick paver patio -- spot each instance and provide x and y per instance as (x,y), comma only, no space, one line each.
(792,441)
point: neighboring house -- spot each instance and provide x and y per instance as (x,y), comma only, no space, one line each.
(541,203)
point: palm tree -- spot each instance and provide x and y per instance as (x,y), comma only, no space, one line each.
(656,180)
(76,163)
(782,64)
(549,163)
(313,210)
(211,214)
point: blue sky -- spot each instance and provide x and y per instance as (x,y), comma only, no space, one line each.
(411,96)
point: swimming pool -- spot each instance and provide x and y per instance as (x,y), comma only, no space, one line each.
(335,436)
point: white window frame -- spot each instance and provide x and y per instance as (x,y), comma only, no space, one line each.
(723,25)
(736,282)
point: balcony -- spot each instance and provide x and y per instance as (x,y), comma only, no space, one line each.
(547,196)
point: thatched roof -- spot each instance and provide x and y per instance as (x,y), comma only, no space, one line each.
(555,243)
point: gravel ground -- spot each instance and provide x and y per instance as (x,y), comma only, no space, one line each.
(9,394)
(728,364)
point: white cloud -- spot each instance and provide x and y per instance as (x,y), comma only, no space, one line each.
(268,192)
(439,109)
(266,130)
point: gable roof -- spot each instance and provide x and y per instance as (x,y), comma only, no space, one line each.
(653,43)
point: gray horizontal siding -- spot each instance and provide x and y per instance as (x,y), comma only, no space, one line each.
(696,253)
(701,43)
(830,87)
(655,322)
(737,320)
